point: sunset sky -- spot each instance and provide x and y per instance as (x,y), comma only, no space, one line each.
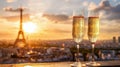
(53,18)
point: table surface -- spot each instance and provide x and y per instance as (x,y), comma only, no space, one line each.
(63,64)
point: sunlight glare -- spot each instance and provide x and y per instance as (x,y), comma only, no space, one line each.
(27,66)
(29,27)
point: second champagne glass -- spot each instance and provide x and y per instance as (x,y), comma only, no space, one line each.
(93,31)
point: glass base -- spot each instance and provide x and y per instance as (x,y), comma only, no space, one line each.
(93,63)
(76,64)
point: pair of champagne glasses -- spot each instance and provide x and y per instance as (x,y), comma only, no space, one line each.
(78,29)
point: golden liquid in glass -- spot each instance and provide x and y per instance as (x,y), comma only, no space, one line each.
(93,28)
(78,28)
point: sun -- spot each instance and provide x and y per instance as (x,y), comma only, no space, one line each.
(29,27)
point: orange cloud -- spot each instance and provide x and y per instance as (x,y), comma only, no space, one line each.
(17,18)
(10,1)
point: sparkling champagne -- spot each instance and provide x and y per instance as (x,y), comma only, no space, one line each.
(78,28)
(93,28)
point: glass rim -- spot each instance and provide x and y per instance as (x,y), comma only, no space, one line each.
(92,13)
(79,12)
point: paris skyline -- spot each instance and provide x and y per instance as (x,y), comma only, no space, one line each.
(52,19)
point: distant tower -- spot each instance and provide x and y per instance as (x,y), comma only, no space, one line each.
(114,39)
(20,40)
(119,39)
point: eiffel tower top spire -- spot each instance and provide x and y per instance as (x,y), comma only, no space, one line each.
(17,10)
(21,11)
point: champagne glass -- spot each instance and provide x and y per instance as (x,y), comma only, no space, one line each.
(78,29)
(93,30)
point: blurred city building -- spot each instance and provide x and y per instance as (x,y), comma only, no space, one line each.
(119,39)
(114,39)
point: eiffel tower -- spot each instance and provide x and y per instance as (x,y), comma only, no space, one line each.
(20,37)
(19,40)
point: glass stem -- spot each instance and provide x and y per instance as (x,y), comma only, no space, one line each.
(77,52)
(93,47)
